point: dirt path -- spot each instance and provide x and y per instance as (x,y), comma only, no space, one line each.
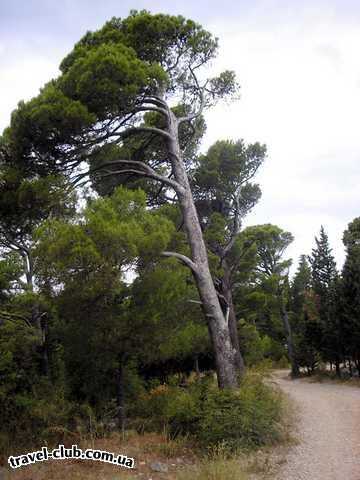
(328,431)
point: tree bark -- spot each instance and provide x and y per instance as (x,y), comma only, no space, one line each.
(226,290)
(234,335)
(217,323)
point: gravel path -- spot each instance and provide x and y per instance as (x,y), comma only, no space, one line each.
(328,431)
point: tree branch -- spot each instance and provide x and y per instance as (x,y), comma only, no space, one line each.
(152,109)
(155,101)
(134,130)
(14,316)
(184,259)
(197,114)
(142,169)
(133,171)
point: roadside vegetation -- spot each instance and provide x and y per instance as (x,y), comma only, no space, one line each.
(195,430)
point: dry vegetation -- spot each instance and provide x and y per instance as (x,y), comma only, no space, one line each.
(178,455)
(182,457)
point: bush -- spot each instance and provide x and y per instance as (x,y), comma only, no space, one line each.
(258,347)
(248,417)
(170,408)
(282,363)
(39,416)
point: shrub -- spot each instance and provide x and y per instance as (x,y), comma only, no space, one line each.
(248,417)
(169,407)
(39,416)
(282,363)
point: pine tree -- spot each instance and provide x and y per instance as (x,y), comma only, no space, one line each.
(272,272)
(307,328)
(323,266)
(325,284)
(300,285)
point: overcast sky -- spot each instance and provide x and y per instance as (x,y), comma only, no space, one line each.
(298,64)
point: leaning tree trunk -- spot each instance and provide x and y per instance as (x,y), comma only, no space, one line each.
(290,344)
(217,323)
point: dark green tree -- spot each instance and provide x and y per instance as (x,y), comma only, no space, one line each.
(325,284)
(25,202)
(304,317)
(323,266)
(300,285)
(273,276)
(81,269)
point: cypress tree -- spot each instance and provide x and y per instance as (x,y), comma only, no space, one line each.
(324,280)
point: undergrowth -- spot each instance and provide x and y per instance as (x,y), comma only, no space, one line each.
(247,417)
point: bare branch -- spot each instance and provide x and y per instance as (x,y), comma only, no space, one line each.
(140,168)
(197,114)
(152,109)
(9,242)
(14,316)
(184,259)
(195,301)
(237,214)
(148,130)
(155,101)
(133,171)
(235,230)
(144,170)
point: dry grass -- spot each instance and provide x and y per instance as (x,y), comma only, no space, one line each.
(183,459)
(145,449)
(218,469)
(178,455)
